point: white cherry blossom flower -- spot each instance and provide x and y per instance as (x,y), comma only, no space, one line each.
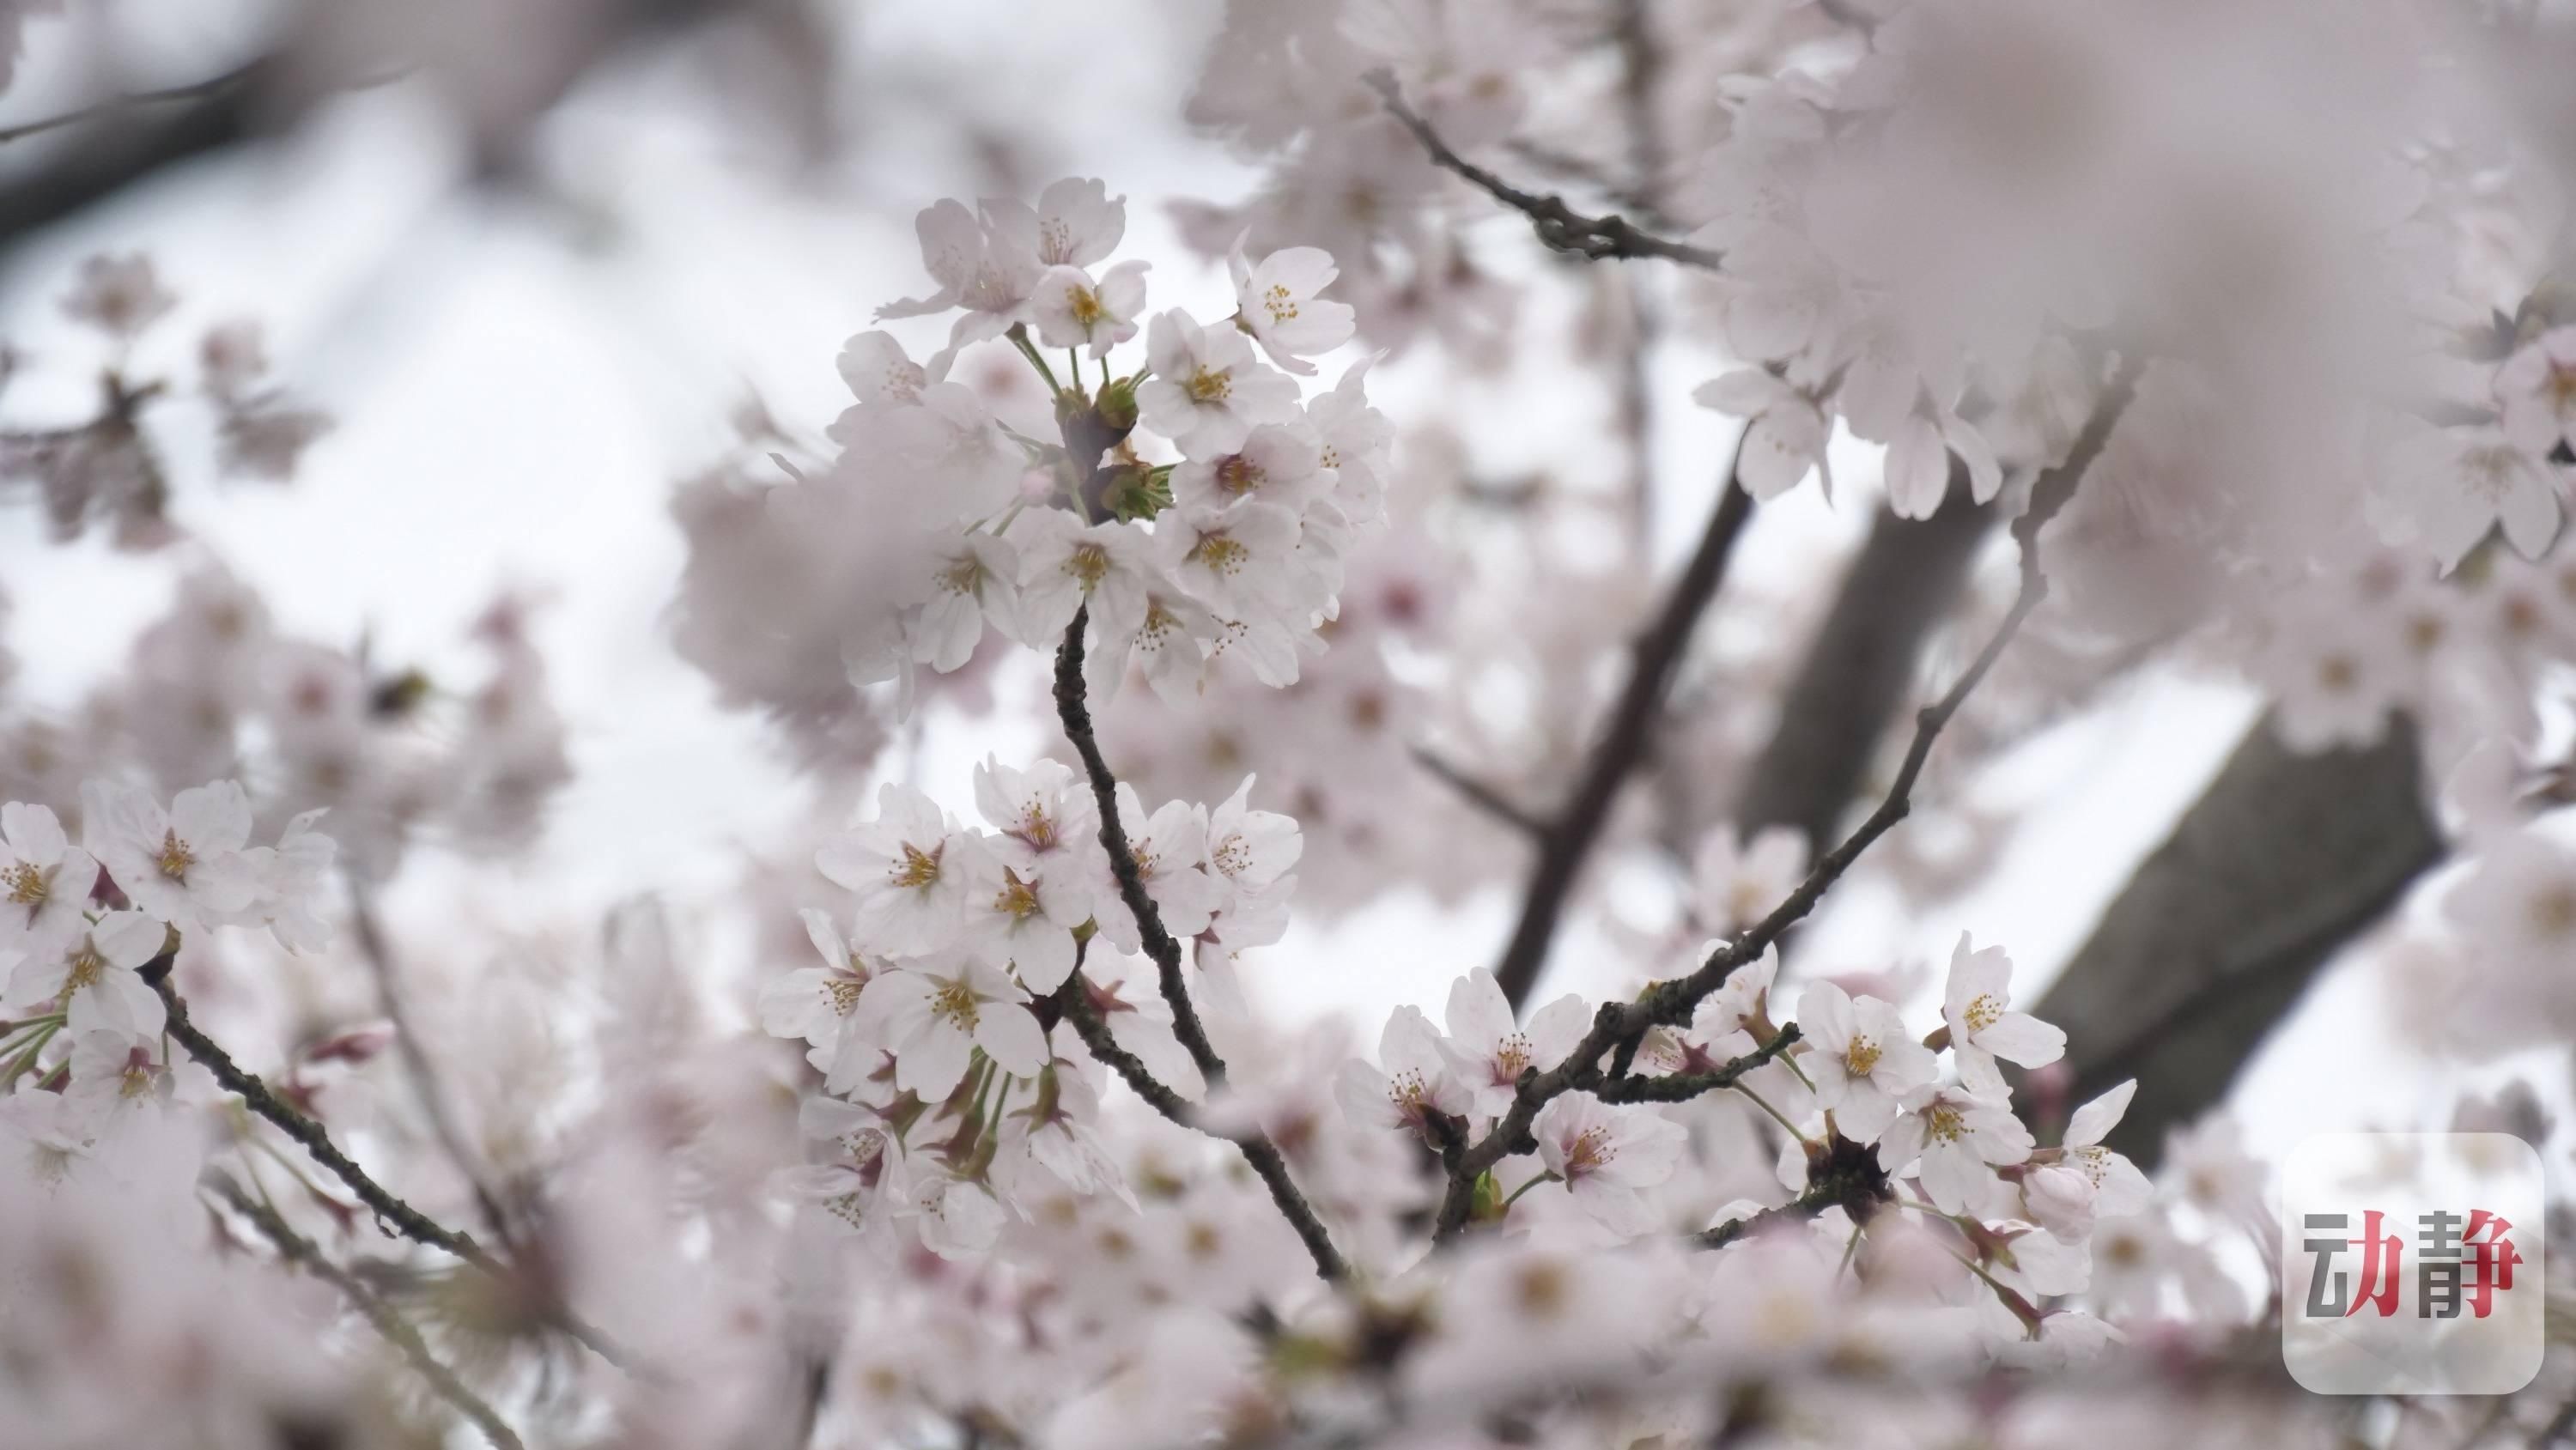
(1918,463)
(1023,919)
(878,370)
(1784,435)
(95,979)
(814,1003)
(2069,1186)
(45,880)
(1072,310)
(934,1015)
(2537,388)
(1493,1051)
(1976,1007)
(1044,818)
(1168,847)
(186,865)
(1171,645)
(1279,464)
(911,895)
(1412,1079)
(1862,1061)
(973,582)
(1250,850)
(1065,564)
(1237,560)
(1075,223)
(2457,484)
(1954,1139)
(1208,390)
(1607,1157)
(1280,306)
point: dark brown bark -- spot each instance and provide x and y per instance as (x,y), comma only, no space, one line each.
(2280,863)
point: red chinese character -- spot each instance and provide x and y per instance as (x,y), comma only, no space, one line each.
(2491,1259)
(2380,1254)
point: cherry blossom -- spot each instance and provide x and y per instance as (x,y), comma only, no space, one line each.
(1784,432)
(1607,1157)
(48,879)
(1954,1139)
(1412,1082)
(93,979)
(911,896)
(1493,1051)
(1208,391)
(1278,304)
(1976,1008)
(1864,1063)
(186,865)
(933,1018)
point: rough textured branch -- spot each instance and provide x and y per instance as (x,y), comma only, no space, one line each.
(1568,842)
(1258,1150)
(1681,1087)
(1904,582)
(1560,226)
(405,1219)
(2283,859)
(1670,1002)
(300,1251)
(1478,794)
(379,956)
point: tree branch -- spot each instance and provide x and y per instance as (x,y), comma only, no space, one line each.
(2283,859)
(409,1221)
(1560,226)
(300,1251)
(1565,845)
(1905,580)
(1258,1150)
(1670,1002)
(379,956)
(1478,794)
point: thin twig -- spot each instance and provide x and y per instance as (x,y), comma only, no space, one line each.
(300,1251)
(1560,226)
(1671,1002)
(1568,842)
(1258,1150)
(424,1077)
(410,1222)
(1478,794)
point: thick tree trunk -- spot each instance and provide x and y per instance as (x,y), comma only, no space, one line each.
(2284,859)
(1904,583)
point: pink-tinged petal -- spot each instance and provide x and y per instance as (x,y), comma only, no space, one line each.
(33,833)
(2095,1120)
(933,1062)
(1825,1016)
(1044,958)
(2022,1038)
(1866,1111)
(1011,1037)
(212,818)
(129,938)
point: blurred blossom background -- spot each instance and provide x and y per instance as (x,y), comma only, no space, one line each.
(545,267)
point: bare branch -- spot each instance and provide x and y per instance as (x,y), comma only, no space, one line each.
(379,956)
(300,1251)
(407,1220)
(1670,1002)
(1560,226)
(1569,840)
(1257,1148)
(1478,794)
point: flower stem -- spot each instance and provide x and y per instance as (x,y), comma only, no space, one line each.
(1019,335)
(1775,1114)
(1526,1187)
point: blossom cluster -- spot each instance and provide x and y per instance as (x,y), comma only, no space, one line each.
(81,922)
